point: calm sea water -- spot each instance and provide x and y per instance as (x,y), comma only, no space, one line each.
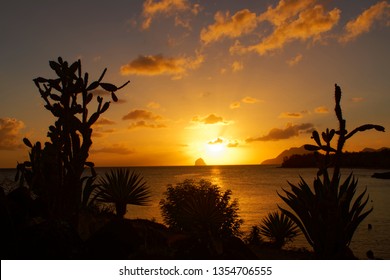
(256,188)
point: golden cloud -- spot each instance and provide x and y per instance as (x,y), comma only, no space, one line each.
(290,131)
(143,119)
(210,119)
(216,141)
(288,115)
(152,8)
(309,23)
(104,121)
(246,99)
(321,110)
(242,22)
(144,124)
(284,11)
(152,65)
(10,138)
(141,114)
(295,60)
(363,23)
(237,66)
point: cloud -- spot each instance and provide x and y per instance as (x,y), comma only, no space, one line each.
(288,115)
(290,131)
(363,23)
(114,149)
(143,119)
(284,11)
(246,99)
(210,119)
(153,8)
(216,141)
(232,144)
(249,100)
(153,105)
(292,21)
(295,60)
(235,105)
(237,66)
(321,110)
(104,121)
(242,22)
(144,124)
(152,65)
(141,114)
(10,138)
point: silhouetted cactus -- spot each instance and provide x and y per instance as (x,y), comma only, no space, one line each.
(328,214)
(56,170)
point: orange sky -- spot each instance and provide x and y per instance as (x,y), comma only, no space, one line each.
(233,82)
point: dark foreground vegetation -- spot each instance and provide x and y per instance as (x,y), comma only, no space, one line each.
(56,212)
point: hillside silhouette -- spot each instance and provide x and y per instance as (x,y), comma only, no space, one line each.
(368,158)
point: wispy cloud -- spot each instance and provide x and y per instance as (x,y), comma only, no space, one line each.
(210,119)
(143,119)
(233,144)
(246,100)
(321,110)
(363,23)
(289,115)
(153,105)
(144,124)
(295,60)
(152,65)
(216,141)
(139,114)
(225,25)
(290,131)
(237,66)
(10,137)
(292,20)
(104,121)
(152,8)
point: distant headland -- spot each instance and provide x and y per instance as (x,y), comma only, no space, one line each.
(301,158)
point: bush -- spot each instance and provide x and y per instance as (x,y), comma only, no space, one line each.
(201,208)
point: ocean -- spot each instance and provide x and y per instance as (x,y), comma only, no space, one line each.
(256,187)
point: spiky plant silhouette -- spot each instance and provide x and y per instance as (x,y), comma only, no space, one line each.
(278,228)
(120,187)
(54,172)
(328,214)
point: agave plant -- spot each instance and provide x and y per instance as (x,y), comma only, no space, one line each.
(121,187)
(328,214)
(278,228)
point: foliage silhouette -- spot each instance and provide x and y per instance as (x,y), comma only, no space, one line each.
(254,237)
(328,215)
(278,228)
(201,208)
(55,171)
(121,187)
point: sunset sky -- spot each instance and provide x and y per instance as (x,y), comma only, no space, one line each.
(233,82)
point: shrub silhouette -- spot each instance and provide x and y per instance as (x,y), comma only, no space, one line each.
(278,228)
(200,208)
(328,214)
(121,187)
(54,172)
